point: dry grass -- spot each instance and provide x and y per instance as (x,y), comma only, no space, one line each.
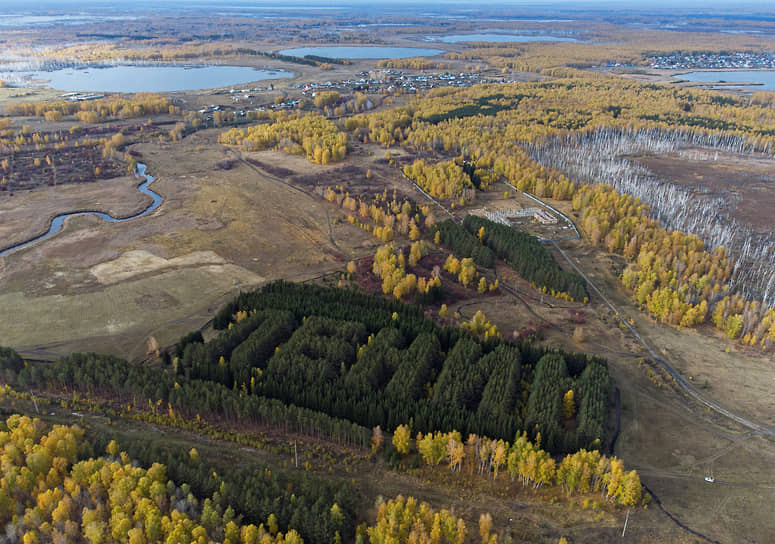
(132,307)
(28,213)
(10,95)
(745,182)
(217,232)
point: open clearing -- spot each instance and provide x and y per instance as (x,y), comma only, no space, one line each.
(746,183)
(218,231)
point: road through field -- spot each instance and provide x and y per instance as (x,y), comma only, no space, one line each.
(755,426)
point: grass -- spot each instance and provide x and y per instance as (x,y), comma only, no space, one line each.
(259,227)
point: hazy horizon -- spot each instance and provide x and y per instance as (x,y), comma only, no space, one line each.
(702,5)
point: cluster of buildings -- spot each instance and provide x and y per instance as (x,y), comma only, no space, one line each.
(684,61)
(80,97)
(371,82)
(389,80)
(374,82)
(510,216)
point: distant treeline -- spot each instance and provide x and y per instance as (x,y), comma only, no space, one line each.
(309,60)
(316,58)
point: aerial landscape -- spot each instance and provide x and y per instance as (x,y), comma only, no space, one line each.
(318,271)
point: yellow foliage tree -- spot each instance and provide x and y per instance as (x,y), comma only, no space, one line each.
(568,405)
(402,438)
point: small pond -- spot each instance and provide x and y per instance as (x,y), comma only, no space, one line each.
(765,78)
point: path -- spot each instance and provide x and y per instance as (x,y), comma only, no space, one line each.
(682,383)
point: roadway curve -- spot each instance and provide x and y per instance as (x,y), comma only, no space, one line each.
(690,390)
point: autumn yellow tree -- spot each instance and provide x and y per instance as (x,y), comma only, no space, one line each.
(377,440)
(568,405)
(402,439)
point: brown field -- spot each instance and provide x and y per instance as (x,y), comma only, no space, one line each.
(216,233)
(118,197)
(747,183)
(10,95)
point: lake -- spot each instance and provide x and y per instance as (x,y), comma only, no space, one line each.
(765,77)
(151,78)
(362,52)
(498,38)
(23,21)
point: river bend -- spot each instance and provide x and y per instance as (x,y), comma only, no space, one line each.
(58,222)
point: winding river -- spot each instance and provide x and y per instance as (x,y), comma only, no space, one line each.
(58,222)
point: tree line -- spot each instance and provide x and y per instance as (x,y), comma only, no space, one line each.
(58,486)
(311,135)
(581,472)
(93,111)
(126,384)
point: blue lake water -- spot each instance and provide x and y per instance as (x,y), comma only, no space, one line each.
(153,78)
(362,52)
(765,77)
(24,21)
(499,38)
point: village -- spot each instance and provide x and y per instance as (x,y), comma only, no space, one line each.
(740,60)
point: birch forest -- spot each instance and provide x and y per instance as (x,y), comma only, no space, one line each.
(569,138)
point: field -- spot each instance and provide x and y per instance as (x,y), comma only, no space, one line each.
(233,220)
(117,196)
(745,182)
(205,243)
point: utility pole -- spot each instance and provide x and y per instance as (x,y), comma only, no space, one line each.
(35,403)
